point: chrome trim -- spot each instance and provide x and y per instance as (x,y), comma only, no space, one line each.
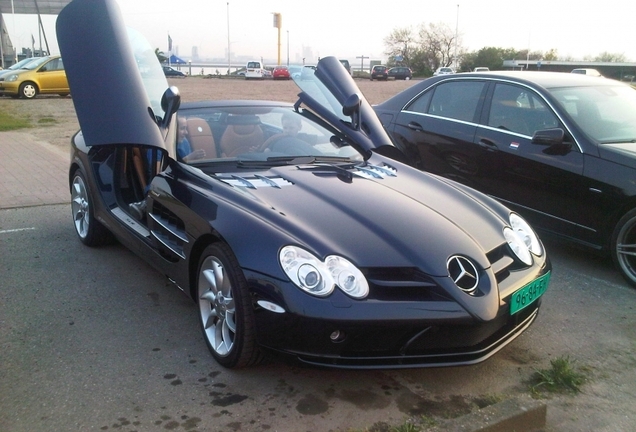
(463,272)
(170,227)
(167,244)
(496,80)
(130,221)
(254,181)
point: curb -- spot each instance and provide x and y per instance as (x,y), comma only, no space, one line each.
(520,414)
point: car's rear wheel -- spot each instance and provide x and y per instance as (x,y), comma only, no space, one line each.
(28,90)
(89,230)
(225,310)
(624,246)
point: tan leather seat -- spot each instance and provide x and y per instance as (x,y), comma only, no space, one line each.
(243,134)
(200,137)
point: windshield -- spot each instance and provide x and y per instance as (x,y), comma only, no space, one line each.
(150,69)
(21,64)
(36,63)
(254,133)
(605,113)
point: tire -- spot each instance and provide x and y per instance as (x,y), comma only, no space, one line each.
(28,90)
(225,311)
(407,78)
(624,246)
(89,230)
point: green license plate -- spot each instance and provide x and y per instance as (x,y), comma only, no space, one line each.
(525,296)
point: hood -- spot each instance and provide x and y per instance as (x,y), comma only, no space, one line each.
(102,64)
(324,204)
(623,154)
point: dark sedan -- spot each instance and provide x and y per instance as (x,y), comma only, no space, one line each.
(400,73)
(288,224)
(558,148)
(172,72)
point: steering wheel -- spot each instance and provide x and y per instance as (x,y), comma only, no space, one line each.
(269,141)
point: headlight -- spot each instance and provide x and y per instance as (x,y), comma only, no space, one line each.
(320,278)
(11,78)
(522,239)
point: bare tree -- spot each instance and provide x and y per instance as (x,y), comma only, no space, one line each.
(400,43)
(438,42)
(610,57)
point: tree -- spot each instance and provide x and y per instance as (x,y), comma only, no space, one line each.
(399,44)
(610,57)
(160,56)
(438,43)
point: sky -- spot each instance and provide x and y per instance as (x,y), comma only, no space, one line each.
(357,28)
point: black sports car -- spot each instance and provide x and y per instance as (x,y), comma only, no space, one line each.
(288,224)
(559,148)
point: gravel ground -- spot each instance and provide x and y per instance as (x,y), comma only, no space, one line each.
(55,120)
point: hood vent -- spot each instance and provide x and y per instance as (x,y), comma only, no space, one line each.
(255,181)
(376,172)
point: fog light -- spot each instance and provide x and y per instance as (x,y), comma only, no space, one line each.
(337,336)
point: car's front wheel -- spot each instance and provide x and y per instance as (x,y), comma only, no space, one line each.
(28,90)
(624,246)
(89,230)
(225,310)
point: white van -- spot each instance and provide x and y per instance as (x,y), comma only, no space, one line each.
(586,71)
(254,70)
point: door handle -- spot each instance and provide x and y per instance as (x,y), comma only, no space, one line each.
(488,145)
(415,126)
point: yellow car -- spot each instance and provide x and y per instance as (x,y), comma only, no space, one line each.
(45,75)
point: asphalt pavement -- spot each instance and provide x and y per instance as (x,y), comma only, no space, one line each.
(32,172)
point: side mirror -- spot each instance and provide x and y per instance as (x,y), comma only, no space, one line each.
(351,108)
(170,102)
(548,137)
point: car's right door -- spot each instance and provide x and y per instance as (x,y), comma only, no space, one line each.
(542,183)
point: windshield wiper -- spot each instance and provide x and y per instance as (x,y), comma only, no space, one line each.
(291,160)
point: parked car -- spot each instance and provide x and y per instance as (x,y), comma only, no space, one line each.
(444,71)
(400,73)
(294,231)
(481,69)
(587,71)
(307,72)
(281,72)
(379,72)
(295,71)
(254,70)
(17,66)
(45,75)
(173,73)
(346,65)
(558,148)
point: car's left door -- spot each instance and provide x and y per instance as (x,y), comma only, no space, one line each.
(543,183)
(52,78)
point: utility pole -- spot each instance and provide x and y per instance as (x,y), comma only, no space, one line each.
(362,57)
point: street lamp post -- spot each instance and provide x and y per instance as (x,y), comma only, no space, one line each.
(287,47)
(456,36)
(229,58)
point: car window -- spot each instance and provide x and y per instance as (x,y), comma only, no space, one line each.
(517,109)
(605,113)
(457,100)
(53,65)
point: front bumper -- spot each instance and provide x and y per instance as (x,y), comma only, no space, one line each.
(341,333)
